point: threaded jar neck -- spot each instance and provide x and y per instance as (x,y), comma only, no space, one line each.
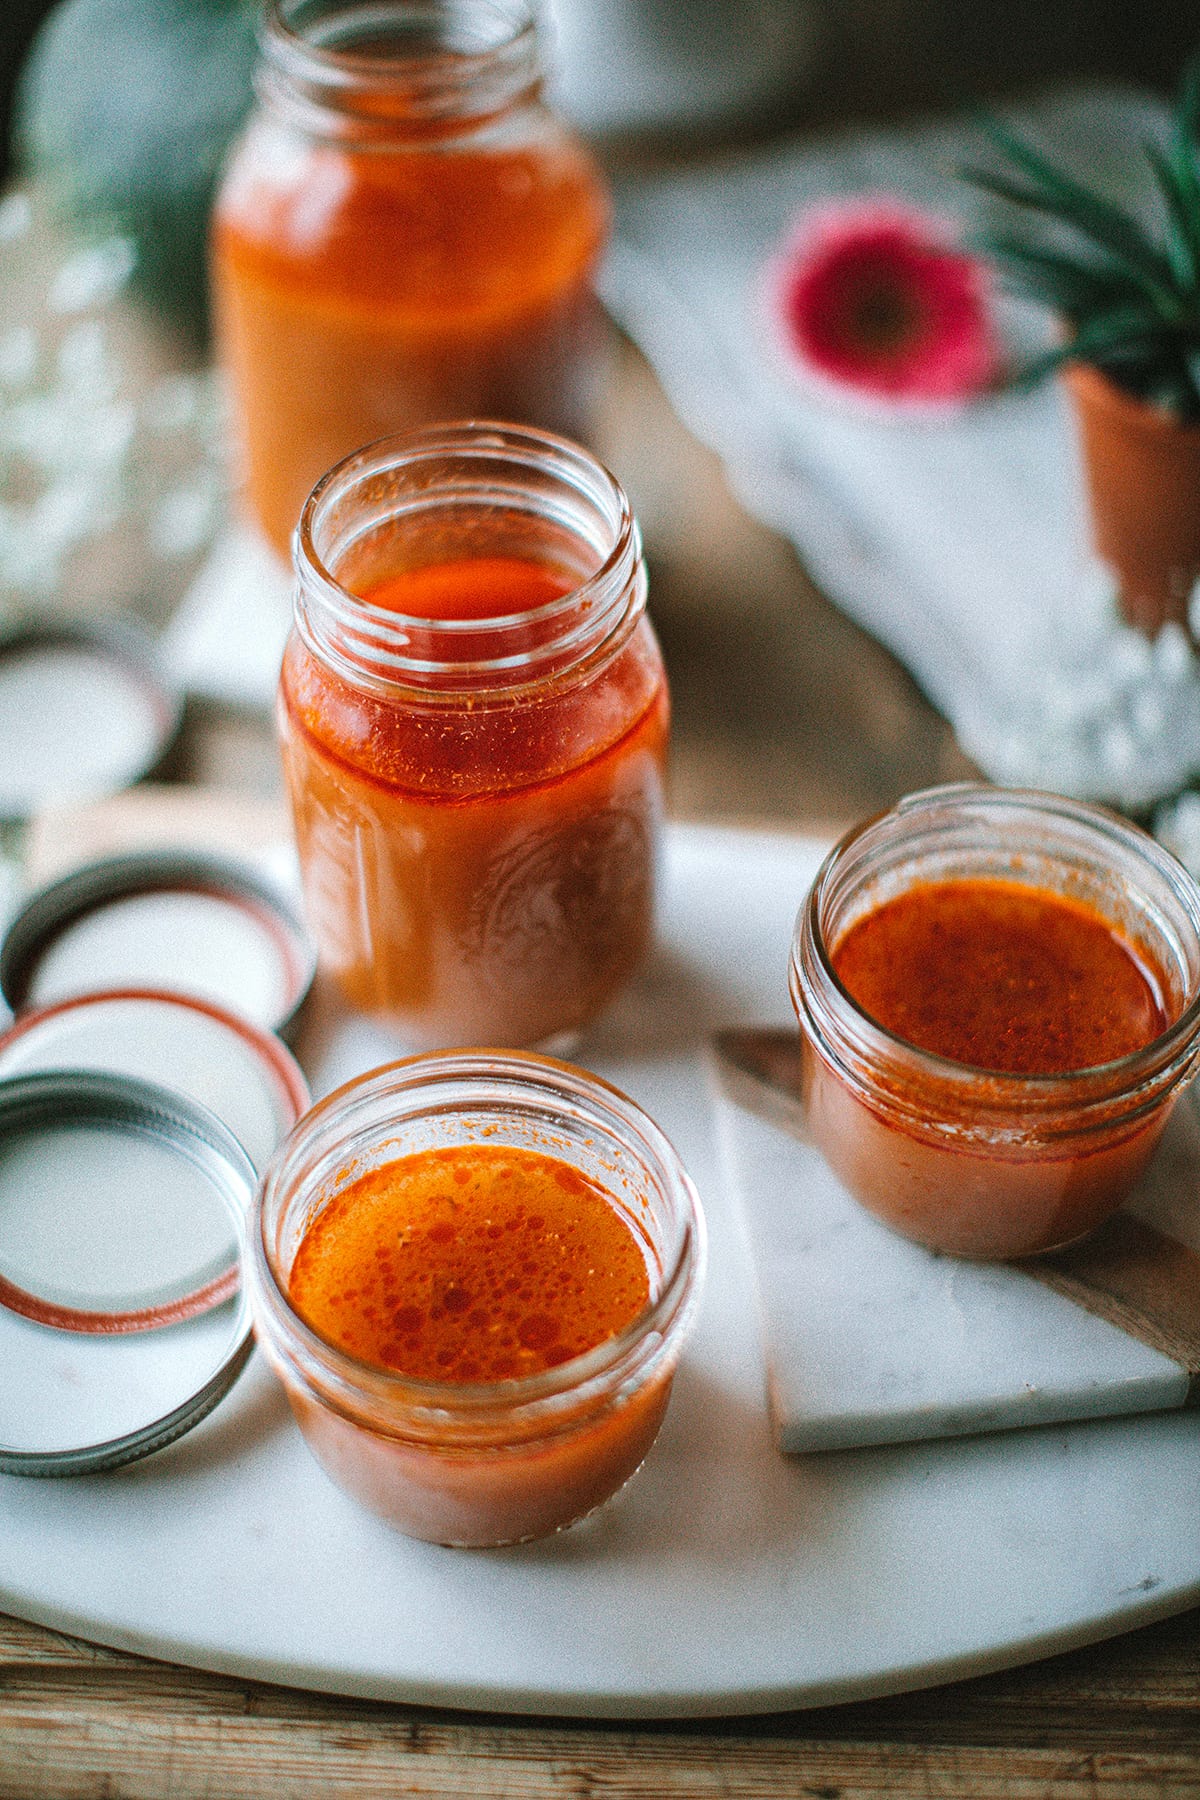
(382,72)
(452,492)
(1065,846)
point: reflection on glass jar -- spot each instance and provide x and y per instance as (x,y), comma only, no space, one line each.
(403,234)
(489,1457)
(1035,1131)
(474,720)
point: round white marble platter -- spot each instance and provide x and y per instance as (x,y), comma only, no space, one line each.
(725,1578)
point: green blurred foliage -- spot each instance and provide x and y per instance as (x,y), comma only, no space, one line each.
(125,109)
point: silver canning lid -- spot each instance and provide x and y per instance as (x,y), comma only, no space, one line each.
(243,1074)
(195,924)
(122,1319)
(85,710)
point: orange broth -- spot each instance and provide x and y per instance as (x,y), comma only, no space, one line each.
(479,870)
(477,1263)
(999,975)
(1009,983)
(478,587)
(358,294)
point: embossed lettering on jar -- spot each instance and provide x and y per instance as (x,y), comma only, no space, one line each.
(404,234)
(474,722)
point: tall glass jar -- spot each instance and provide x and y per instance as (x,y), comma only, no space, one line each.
(476,799)
(403,234)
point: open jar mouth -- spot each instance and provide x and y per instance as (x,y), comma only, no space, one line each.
(1068,847)
(452,491)
(452,1098)
(354,69)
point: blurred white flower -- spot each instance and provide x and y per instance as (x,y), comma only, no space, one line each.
(92,276)
(111,461)
(1119,721)
(16,216)
(18,356)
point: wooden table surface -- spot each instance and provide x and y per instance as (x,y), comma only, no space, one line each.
(784,713)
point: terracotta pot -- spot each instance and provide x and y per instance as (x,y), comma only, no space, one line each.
(1142,472)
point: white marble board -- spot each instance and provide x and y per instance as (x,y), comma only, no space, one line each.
(870,1339)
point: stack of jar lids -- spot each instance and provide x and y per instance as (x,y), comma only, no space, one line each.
(142,1090)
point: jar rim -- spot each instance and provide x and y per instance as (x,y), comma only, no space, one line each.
(575,625)
(813,980)
(656,1325)
(469,58)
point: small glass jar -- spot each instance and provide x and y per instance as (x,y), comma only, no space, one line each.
(403,234)
(477,802)
(474,1463)
(968,1161)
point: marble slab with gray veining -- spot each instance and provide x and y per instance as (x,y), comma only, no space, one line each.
(870,1339)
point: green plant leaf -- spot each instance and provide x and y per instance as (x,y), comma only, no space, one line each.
(1058,193)
(1137,368)
(1189,370)
(1150,271)
(1131,292)
(1182,152)
(1171,387)
(1032,373)
(1107,333)
(1183,212)
(1122,336)
(1187,108)
(1070,285)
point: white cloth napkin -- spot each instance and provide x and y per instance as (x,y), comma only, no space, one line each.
(960,543)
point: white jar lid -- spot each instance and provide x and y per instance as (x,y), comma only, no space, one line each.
(247,1077)
(122,1318)
(200,925)
(84,711)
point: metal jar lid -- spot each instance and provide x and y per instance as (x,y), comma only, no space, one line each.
(122,1319)
(244,1075)
(85,710)
(202,925)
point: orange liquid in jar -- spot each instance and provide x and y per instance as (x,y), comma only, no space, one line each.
(358,294)
(474,1275)
(999,975)
(1006,981)
(478,872)
(478,1263)
(479,587)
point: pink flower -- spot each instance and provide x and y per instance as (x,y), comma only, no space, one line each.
(871,296)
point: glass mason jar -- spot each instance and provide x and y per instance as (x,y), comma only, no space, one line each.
(969,1161)
(477,801)
(471,1463)
(403,234)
